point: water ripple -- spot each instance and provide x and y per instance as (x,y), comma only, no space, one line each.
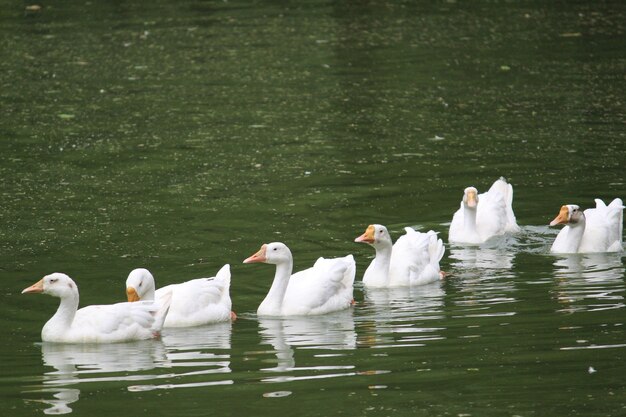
(589,282)
(127,362)
(328,332)
(394,317)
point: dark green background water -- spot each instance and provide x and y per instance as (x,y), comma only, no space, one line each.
(181,135)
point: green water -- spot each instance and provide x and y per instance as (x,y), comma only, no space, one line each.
(180,136)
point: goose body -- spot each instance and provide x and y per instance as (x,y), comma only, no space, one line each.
(325,287)
(110,323)
(413,260)
(195,302)
(596,229)
(483,216)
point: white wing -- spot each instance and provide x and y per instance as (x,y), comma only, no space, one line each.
(603,228)
(115,322)
(415,258)
(491,215)
(326,286)
(199,301)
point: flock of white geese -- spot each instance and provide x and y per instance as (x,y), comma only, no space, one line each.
(325,287)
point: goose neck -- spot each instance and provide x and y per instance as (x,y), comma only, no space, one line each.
(272,304)
(575,235)
(377,274)
(383,258)
(469,220)
(64,315)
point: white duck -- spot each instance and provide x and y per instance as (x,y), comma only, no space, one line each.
(195,302)
(594,230)
(110,323)
(413,260)
(323,288)
(482,216)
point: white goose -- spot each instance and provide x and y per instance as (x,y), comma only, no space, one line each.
(323,288)
(482,216)
(110,323)
(195,302)
(594,230)
(413,260)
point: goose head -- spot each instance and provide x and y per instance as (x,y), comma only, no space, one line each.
(271,253)
(57,285)
(470,197)
(569,214)
(375,235)
(140,285)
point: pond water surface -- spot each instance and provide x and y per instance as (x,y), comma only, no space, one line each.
(181,135)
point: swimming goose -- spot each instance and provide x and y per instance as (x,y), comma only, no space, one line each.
(109,323)
(195,302)
(483,216)
(325,287)
(594,230)
(413,260)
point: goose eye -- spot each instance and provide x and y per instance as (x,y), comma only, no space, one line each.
(53,280)
(275,249)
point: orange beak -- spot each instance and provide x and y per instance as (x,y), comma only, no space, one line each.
(562,218)
(257,257)
(35,288)
(132,295)
(368,236)
(471,199)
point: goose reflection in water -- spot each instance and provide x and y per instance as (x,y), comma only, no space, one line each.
(330,332)
(76,364)
(485,278)
(471,259)
(589,282)
(206,348)
(213,336)
(396,316)
(63,397)
(80,363)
